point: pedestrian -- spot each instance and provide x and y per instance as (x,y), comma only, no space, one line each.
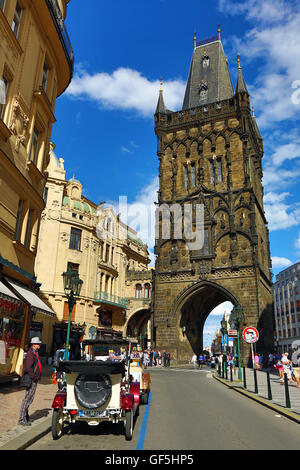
(278,366)
(165,358)
(287,366)
(194,361)
(260,361)
(150,358)
(169,360)
(32,373)
(271,360)
(256,361)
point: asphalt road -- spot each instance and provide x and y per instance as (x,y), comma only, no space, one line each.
(189,410)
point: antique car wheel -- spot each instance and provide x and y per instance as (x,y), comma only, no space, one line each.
(128,424)
(57,423)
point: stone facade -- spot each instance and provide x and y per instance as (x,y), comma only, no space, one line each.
(92,240)
(210,156)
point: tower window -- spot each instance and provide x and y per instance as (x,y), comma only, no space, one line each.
(193,170)
(212,172)
(186,177)
(220,170)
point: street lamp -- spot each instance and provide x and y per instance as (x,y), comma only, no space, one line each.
(72,288)
(224,331)
(236,318)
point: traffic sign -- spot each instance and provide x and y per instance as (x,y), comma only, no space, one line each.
(250,334)
(232,332)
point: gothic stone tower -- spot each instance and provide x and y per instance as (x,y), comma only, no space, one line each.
(210,153)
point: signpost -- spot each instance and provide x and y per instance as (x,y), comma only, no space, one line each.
(251,335)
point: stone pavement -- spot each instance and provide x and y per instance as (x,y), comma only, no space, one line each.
(13,436)
(278,401)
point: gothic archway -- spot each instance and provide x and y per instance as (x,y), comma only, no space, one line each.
(138,327)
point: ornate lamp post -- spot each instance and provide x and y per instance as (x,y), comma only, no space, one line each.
(224,331)
(236,318)
(72,288)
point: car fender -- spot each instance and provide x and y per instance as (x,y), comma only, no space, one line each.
(135,390)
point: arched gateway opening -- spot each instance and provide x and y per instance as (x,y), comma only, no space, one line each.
(193,310)
(139,327)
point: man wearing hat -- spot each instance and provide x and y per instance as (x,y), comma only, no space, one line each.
(33,368)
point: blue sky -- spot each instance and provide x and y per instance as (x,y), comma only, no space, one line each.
(105,126)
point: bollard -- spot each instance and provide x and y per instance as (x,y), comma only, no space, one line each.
(269,386)
(244,377)
(255,381)
(231,378)
(226,371)
(287,393)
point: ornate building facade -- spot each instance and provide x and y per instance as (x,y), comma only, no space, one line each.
(36,66)
(90,239)
(210,157)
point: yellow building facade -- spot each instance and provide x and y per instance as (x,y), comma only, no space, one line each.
(75,233)
(36,66)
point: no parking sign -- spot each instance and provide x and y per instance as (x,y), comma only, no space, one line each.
(250,335)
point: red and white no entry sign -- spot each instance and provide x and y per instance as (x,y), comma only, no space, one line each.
(250,335)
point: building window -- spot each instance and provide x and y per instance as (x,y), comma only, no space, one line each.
(3,94)
(106,253)
(45,197)
(205,248)
(17,20)
(2,4)
(28,229)
(219,169)
(66,312)
(19,221)
(34,150)
(45,75)
(112,255)
(147,291)
(138,291)
(75,239)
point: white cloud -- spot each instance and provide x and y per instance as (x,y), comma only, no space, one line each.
(278,262)
(279,214)
(126,89)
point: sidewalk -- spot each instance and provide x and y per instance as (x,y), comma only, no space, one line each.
(278,401)
(13,436)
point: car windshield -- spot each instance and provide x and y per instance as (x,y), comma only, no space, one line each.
(105,352)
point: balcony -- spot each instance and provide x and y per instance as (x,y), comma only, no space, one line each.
(61,31)
(110,299)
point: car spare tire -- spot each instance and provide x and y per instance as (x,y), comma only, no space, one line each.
(92,391)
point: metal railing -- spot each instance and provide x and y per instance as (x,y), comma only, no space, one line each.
(62,31)
(111,299)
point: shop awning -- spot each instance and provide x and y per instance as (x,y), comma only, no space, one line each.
(37,305)
(6,293)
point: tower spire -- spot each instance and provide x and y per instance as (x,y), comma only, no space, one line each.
(195,39)
(160,108)
(241,84)
(219,32)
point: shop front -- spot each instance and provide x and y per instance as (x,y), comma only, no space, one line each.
(12,322)
(18,304)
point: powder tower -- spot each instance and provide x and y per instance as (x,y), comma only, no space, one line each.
(210,156)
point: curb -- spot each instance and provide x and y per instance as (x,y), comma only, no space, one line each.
(288,414)
(24,439)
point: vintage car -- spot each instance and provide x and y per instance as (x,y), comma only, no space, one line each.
(138,374)
(97,388)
